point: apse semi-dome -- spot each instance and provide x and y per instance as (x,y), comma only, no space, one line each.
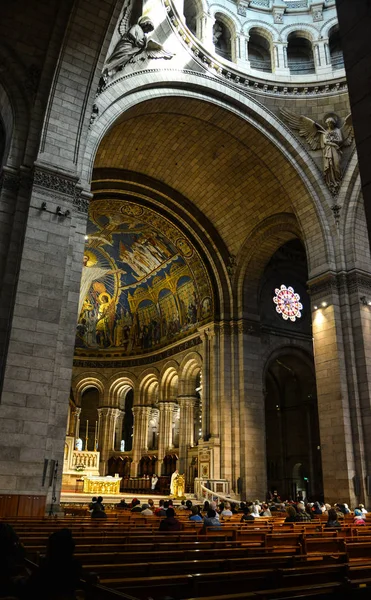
(143,285)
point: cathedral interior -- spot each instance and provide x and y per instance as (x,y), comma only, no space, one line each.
(184,248)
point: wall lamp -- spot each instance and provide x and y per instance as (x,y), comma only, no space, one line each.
(365,301)
(60,212)
(322,305)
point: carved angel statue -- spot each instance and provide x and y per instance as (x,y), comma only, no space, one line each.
(134,43)
(329,137)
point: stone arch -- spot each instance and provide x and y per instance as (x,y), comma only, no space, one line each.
(300,30)
(85,381)
(14,108)
(264,122)
(260,46)
(189,369)
(295,348)
(256,252)
(265,29)
(224,32)
(352,221)
(118,386)
(148,388)
(169,382)
(327,26)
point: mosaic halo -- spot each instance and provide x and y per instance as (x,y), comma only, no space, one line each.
(287,303)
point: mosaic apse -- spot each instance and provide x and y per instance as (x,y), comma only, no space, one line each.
(143,285)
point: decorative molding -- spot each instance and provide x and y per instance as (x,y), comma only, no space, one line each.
(340,283)
(112,363)
(239,78)
(336,208)
(54,181)
(49,181)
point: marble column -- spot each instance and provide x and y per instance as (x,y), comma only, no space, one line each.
(108,417)
(75,422)
(320,55)
(204,31)
(140,435)
(186,430)
(279,62)
(118,431)
(165,441)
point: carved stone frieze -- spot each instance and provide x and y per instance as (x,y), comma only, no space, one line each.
(340,283)
(54,181)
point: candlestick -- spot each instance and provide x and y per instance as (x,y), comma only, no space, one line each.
(87,428)
(96,436)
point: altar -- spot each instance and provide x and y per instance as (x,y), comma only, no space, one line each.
(95,484)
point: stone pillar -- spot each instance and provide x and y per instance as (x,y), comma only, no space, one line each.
(343,399)
(252,411)
(107,417)
(205,394)
(118,431)
(322,65)
(204,31)
(37,352)
(165,441)
(279,59)
(186,431)
(74,428)
(242,57)
(140,436)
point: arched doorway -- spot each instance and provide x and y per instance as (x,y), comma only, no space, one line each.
(292,427)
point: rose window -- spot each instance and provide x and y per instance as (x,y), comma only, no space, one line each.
(288,303)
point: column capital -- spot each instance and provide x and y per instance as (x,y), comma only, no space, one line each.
(76,411)
(187,400)
(166,405)
(106,411)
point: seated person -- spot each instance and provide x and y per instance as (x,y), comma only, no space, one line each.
(226,512)
(161,510)
(195,516)
(247,516)
(170,523)
(359,518)
(146,511)
(135,506)
(13,572)
(291,514)
(210,520)
(98,511)
(122,504)
(92,503)
(332,520)
(59,573)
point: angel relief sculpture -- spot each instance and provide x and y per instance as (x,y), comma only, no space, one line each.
(330,138)
(134,44)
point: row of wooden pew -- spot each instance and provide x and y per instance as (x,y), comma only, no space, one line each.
(133,559)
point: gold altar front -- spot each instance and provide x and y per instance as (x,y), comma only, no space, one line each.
(102,485)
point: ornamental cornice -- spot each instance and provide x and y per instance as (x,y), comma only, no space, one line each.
(351,282)
(59,183)
(240,79)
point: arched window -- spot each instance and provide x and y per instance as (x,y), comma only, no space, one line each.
(300,54)
(89,417)
(222,38)
(259,51)
(190,15)
(336,51)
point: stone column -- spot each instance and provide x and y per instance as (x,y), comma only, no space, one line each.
(165,441)
(108,417)
(252,411)
(186,430)
(320,58)
(140,435)
(242,57)
(343,401)
(279,59)
(205,394)
(75,422)
(37,352)
(118,431)
(204,31)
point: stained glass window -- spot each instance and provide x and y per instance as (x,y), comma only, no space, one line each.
(287,303)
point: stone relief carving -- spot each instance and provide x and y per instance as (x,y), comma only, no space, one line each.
(330,138)
(134,45)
